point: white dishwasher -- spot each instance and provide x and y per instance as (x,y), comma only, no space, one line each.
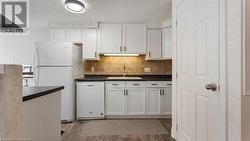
(90,100)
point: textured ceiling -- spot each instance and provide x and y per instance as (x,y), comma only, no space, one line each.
(42,11)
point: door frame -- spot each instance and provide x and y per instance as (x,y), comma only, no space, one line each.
(222,61)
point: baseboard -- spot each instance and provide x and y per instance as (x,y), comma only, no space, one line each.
(138,117)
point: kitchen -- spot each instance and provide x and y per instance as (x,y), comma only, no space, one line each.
(113,69)
(124,70)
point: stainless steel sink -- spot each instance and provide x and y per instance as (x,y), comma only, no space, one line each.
(124,78)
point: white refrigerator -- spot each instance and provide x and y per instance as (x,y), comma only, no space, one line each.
(58,64)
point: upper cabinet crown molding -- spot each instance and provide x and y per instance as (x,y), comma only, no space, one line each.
(116,38)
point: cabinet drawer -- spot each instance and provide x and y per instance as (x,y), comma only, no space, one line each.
(154,84)
(135,84)
(166,83)
(115,84)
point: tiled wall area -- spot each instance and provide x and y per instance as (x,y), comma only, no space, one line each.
(128,65)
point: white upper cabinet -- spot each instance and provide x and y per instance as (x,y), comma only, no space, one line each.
(123,38)
(66,35)
(167,43)
(134,38)
(89,40)
(110,38)
(59,35)
(74,35)
(154,48)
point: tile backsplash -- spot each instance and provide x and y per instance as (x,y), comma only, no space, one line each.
(127,65)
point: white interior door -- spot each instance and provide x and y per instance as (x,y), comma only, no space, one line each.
(199,108)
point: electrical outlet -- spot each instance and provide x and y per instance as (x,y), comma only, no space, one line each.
(147,70)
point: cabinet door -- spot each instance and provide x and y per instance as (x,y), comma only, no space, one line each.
(58,35)
(154,101)
(74,35)
(166,101)
(135,102)
(115,102)
(134,38)
(90,99)
(90,44)
(167,43)
(111,38)
(154,44)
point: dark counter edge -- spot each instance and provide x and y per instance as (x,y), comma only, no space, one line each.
(42,93)
(144,78)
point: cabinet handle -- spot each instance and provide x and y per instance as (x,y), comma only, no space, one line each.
(124,92)
(120,48)
(136,84)
(169,84)
(163,92)
(154,84)
(149,54)
(90,85)
(127,92)
(160,92)
(115,84)
(125,48)
(95,54)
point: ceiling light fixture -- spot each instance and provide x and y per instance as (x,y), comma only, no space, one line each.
(74,6)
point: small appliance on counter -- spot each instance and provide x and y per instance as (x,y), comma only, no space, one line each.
(28,77)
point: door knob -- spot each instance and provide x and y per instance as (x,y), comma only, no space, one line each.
(212,87)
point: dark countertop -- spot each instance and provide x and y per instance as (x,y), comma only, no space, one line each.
(144,78)
(38,91)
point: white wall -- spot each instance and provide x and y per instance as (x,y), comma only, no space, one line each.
(18,49)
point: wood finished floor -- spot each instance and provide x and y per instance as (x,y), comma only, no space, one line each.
(72,130)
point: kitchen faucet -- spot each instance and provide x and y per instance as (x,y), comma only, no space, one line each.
(124,70)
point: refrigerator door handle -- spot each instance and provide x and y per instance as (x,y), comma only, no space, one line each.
(36,57)
(36,75)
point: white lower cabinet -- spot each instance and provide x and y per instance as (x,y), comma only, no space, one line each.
(90,100)
(115,101)
(153,101)
(166,101)
(135,101)
(125,98)
(159,98)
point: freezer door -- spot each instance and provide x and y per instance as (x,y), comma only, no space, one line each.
(59,76)
(53,54)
